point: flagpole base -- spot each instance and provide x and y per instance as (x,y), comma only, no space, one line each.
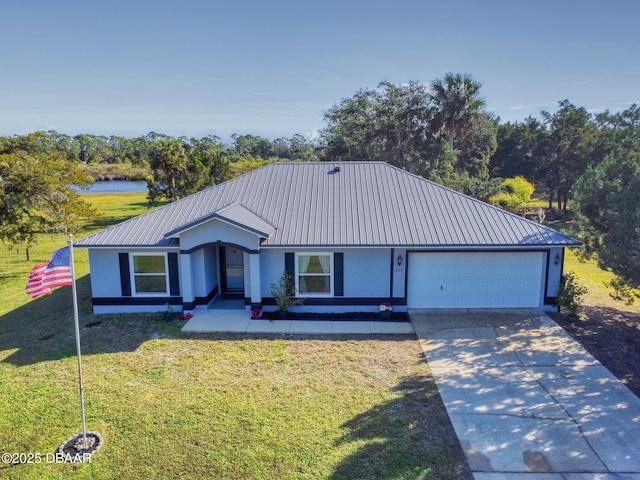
(76,450)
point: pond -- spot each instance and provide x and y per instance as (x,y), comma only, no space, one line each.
(114,186)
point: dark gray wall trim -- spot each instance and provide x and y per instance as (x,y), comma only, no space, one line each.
(476,250)
(207,299)
(392,265)
(342,301)
(290,264)
(202,300)
(219,244)
(136,300)
(338,274)
(174,276)
(125,274)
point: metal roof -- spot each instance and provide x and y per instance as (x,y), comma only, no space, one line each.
(316,204)
(234,214)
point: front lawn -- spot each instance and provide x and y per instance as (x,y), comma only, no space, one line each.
(171,405)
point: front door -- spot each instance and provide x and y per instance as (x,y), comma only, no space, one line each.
(232,271)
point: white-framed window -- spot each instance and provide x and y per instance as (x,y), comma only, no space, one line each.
(314,274)
(149,273)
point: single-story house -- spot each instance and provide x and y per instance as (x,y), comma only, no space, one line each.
(351,234)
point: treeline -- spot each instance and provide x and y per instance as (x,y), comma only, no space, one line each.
(172,167)
(443,132)
(117,150)
(555,151)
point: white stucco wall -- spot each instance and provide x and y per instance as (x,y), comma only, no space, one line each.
(366,271)
(555,271)
(211,271)
(217,231)
(399,273)
(105,281)
(204,271)
(271,267)
(105,273)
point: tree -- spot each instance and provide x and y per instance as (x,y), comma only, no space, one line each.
(398,124)
(302,148)
(210,152)
(35,196)
(459,120)
(607,199)
(457,104)
(568,150)
(520,149)
(389,123)
(515,194)
(253,146)
(181,167)
(476,149)
(170,164)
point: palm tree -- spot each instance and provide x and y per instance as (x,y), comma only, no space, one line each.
(457,104)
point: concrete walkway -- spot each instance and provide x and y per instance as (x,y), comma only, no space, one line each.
(239,321)
(528,402)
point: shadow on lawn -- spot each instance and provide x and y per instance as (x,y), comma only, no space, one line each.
(612,336)
(43,330)
(408,437)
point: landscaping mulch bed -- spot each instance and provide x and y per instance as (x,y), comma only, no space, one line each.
(610,335)
(353,317)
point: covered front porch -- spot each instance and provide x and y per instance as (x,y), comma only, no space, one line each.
(220,258)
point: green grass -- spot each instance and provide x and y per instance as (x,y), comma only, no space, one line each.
(15,266)
(174,405)
(588,273)
(596,280)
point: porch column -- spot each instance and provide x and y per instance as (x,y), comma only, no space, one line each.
(254,281)
(185,281)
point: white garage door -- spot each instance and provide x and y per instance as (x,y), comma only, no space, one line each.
(475,280)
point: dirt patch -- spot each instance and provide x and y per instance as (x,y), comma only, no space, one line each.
(610,335)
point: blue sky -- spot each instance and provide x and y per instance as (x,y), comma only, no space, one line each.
(272,68)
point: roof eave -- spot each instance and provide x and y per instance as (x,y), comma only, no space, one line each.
(215,216)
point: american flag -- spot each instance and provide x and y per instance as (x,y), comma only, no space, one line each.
(55,273)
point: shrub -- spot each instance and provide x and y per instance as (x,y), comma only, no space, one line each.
(570,292)
(284,293)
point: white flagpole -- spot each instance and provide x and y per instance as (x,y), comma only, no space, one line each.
(75,319)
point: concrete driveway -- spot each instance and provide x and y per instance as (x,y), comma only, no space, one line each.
(526,400)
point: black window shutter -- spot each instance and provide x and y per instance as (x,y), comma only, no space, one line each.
(338,274)
(289,263)
(174,278)
(125,274)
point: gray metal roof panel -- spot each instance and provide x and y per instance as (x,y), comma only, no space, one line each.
(235,214)
(364,204)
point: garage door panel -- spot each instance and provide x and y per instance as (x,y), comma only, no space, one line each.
(474,279)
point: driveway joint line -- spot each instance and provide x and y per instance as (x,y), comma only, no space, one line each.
(561,405)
